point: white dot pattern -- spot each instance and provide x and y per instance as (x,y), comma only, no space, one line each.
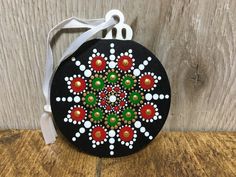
(112,136)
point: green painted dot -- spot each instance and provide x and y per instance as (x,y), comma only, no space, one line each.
(128,114)
(135,97)
(128,82)
(112,120)
(90,99)
(112,77)
(97,114)
(97,83)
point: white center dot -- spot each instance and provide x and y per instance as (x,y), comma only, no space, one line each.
(112,98)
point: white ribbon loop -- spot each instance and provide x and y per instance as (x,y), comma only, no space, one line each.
(94,26)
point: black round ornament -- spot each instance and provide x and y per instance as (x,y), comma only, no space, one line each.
(110,98)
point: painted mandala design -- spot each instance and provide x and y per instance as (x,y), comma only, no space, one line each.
(113,99)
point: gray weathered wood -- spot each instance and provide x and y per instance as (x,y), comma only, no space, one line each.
(194,39)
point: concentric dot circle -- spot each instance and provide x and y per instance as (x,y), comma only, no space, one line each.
(124,108)
(112,121)
(126,134)
(78,84)
(147,111)
(97,114)
(112,77)
(135,97)
(128,114)
(98,63)
(147,82)
(125,63)
(78,113)
(90,99)
(128,82)
(98,83)
(98,133)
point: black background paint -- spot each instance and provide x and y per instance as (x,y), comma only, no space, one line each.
(68,68)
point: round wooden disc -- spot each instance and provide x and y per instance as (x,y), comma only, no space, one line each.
(110,98)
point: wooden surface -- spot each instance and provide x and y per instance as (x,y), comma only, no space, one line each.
(194,39)
(23,153)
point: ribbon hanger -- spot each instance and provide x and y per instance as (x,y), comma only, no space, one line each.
(94,26)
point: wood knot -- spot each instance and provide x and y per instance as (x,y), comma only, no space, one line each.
(196,79)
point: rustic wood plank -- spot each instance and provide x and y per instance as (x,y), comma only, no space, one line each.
(23,153)
(214,152)
(194,39)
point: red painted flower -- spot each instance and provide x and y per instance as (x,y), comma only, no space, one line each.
(126,134)
(122,94)
(102,94)
(125,63)
(116,108)
(146,82)
(103,102)
(122,103)
(117,89)
(108,107)
(98,63)
(98,133)
(147,111)
(78,84)
(78,114)
(109,89)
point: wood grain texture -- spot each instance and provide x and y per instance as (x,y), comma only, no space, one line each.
(195,40)
(23,153)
